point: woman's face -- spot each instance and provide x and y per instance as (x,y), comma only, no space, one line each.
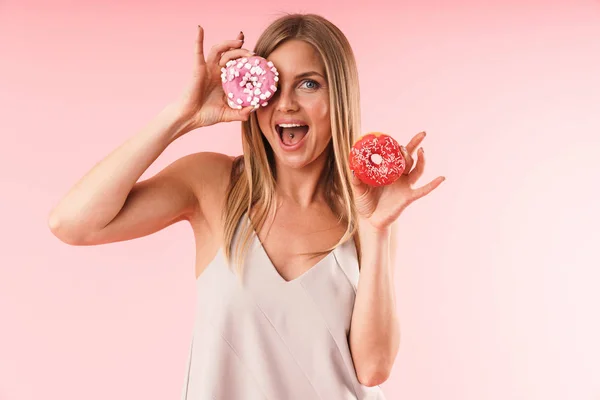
(302,98)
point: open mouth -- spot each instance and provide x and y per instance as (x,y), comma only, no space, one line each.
(291,134)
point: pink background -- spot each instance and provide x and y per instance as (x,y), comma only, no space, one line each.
(498,273)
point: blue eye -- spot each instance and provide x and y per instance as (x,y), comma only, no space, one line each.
(315,84)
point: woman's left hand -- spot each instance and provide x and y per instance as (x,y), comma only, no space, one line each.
(381,206)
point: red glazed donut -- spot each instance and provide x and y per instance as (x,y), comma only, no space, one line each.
(376,159)
(249,81)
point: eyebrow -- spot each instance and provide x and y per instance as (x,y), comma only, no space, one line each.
(309,73)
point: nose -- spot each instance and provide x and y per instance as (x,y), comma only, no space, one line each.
(286,100)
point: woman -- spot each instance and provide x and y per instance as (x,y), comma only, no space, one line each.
(280,234)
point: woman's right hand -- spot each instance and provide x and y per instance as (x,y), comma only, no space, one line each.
(204,102)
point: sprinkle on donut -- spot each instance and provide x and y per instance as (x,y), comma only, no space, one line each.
(376,159)
(249,81)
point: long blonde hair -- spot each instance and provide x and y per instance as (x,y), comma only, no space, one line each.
(253,182)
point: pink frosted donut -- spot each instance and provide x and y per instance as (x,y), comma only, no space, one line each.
(249,81)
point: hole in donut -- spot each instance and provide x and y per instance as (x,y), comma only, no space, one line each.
(376,158)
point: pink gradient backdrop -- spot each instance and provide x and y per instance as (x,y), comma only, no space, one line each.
(498,273)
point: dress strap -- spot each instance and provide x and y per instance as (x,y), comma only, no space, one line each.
(347,259)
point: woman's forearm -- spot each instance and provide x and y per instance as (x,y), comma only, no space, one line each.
(375,332)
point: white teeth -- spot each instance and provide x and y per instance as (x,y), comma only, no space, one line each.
(290,125)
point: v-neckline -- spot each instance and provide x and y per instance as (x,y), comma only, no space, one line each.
(272,266)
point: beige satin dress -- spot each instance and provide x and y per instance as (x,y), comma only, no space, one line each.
(275,339)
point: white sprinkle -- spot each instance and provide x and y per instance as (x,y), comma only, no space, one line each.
(239,107)
(242,83)
(249,86)
(247,66)
(253,70)
(249,98)
(229,63)
(258,84)
(231,77)
(240,101)
(270,63)
(257,92)
(267,93)
(273,88)
(263,97)
(223,69)
(240,65)
(230,95)
(253,78)
(247,91)
(264,104)
(257,61)
(276,79)
(244,60)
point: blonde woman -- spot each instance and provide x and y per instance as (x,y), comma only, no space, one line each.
(281,231)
